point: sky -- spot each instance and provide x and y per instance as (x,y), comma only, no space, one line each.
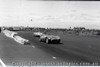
(51,14)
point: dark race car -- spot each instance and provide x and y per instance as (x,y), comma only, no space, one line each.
(49,39)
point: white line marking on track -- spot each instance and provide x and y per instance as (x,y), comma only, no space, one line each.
(33,46)
(2,63)
(54,57)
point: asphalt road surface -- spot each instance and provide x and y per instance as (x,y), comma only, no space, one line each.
(76,50)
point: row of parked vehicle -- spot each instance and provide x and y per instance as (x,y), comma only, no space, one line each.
(16,37)
(47,38)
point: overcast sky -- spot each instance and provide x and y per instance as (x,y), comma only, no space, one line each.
(55,14)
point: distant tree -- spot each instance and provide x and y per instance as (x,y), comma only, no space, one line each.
(0,29)
(98,33)
(31,19)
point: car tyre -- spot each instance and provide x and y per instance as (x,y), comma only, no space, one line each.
(47,41)
(40,40)
(58,42)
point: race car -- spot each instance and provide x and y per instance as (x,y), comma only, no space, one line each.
(50,39)
(37,34)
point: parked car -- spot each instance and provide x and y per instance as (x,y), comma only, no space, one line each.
(21,40)
(37,34)
(49,39)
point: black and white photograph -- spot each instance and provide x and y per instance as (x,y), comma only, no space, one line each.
(49,33)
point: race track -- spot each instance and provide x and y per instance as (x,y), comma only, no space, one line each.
(76,50)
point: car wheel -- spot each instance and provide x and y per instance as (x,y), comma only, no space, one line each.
(58,41)
(40,40)
(47,41)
